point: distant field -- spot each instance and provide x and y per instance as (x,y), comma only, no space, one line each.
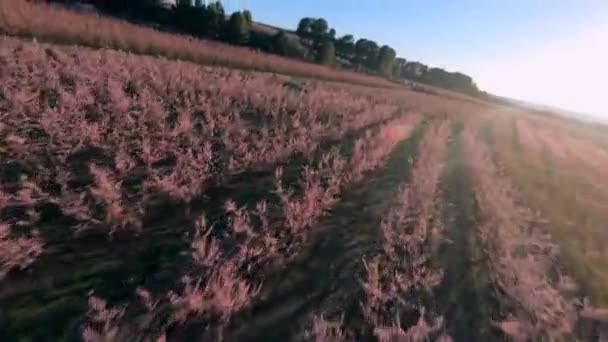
(562,170)
(150,199)
(61,26)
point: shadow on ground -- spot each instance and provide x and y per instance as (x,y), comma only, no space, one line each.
(466,296)
(325,277)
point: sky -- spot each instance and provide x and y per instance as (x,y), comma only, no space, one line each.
(551,52)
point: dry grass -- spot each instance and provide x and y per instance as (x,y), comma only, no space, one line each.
(558,170)
(17,253)
(89,120)
(89,123)
(223,282)
(395,278)
(522,256)
(18,17)
(323,330)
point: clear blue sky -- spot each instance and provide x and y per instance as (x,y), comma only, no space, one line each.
(508,46)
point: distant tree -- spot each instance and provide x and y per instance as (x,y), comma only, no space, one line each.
(464,82)
(386,58)
(280,43)
(238,29)
(147,10)
(248,17)
(319,28)
(345,46)
(314,32)
(366,53)
(360,52)
(283,45)
(216,16)
(450,80)
(399,68)
(189,19)
(435,76)
(332,34)
(327,53)
(217,7)
(372,52)
(122,6)
(184,3)
(347,39)
(305,27)
(414,70)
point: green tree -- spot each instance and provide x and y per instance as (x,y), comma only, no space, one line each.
(184,3)
(332,34)
(327,53)
(248,17)
(189,19)
(414,70)
(345,46)
(386,58)
(216,16)
(280,43)
(238,29)
(283,45)
(216,7)
(450,80)
(305,27)
(399,68)
(366,53)
(319,28)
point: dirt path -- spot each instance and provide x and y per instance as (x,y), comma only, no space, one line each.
(465,295)
(325,277)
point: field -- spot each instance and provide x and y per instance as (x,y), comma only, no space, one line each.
(148,199)
(61,26)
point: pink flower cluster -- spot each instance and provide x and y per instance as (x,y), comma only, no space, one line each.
(521,255)
(396,278)
(265,239)
(112,131)
(323,330)
(18,252)
(223,280)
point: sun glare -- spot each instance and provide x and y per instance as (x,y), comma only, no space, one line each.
(568,73)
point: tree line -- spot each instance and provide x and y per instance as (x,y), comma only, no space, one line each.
(366,55)
(313,40)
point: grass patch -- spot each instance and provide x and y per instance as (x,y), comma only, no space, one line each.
(465,295)
(576,225)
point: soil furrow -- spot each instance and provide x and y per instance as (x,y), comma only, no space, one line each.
(53,295)
(466,295)
(325,277)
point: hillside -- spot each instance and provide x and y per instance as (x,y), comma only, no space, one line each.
(62,26)
(314,41)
